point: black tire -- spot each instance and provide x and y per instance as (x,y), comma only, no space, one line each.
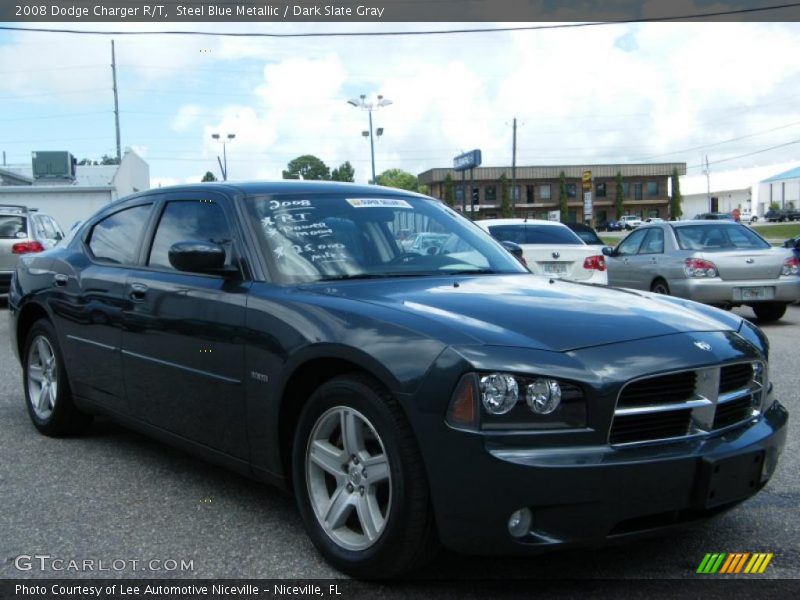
(769,311)
(408,539)
(660,286)
(62,417)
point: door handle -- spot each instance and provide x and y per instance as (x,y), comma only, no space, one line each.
(60,280)
(138,292)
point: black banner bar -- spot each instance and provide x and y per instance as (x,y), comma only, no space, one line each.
(391,11)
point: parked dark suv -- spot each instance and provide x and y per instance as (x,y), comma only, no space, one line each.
(781,215)
(407,398)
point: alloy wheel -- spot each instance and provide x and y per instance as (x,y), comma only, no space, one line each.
(42,377)
(348,478)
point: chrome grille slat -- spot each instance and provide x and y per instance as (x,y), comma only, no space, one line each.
(686,403)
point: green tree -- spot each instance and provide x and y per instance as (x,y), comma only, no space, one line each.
(790,205)
(449,191)
(397,178)
(619,197)
(109,160)
(774,206)
(344,172)
(563,207)
(506,208)
(675,210)
(209,176)
(307,167)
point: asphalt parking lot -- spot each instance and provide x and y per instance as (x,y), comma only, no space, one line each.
(116,495)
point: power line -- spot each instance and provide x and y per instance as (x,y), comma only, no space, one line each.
(323,34)
(716,162)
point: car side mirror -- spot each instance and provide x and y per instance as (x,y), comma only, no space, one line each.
(198,256)
(513,248)
(609,251)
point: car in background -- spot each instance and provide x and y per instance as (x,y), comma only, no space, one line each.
(22,231)
(612,225)
(747,216)
(715,262)
(551,248)
(630,221)
(782,215)
(711,216)
(794,245)
(425,242)
(586,233)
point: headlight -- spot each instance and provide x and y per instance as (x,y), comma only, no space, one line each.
(492,401)
(543,396)
(499,393)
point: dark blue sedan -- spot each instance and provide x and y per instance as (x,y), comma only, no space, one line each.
(408,398)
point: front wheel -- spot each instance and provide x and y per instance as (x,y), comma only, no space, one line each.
(47,392)
(359,480)
(769,311)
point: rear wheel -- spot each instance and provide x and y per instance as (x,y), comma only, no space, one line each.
(359,480)
(47,392)
(659,286)
(769,311)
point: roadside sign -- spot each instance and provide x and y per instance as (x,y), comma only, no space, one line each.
(587,204)
(586,180)
(468,160)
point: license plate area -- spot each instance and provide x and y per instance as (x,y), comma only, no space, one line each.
(725,480)
(754,293)
(554,268)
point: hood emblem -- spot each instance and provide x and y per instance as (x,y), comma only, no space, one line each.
(556,254)
(750,261)
(703,346)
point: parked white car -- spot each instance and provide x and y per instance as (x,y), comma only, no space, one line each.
(550,248)
(630,221)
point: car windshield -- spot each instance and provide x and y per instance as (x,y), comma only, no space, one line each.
(11,225)
(719,237)
(327,237)
(534,234)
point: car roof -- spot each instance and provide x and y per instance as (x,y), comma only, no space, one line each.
(285,186)
(706,223)
(488,222)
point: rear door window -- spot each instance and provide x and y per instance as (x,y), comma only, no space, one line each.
(117,238)
(653,242)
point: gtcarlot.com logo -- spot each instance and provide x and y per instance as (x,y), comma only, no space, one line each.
(748,563)
(46,562)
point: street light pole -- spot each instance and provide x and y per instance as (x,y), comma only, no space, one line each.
(223,165)
(361,102)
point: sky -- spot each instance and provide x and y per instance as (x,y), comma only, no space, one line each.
(651,92)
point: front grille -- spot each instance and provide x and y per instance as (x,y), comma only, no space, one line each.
(733,412)
(651,426)
(666,389)
(735,377)
(694,402)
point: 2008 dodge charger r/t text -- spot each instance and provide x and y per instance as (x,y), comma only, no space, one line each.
(407,398)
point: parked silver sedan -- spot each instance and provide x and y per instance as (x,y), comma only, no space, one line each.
(715,262)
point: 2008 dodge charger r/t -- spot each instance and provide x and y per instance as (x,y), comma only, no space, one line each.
(408,398)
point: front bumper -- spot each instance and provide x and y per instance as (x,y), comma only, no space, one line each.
(594,495)
(717,291)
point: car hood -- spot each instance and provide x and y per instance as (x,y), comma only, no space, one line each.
(536,312)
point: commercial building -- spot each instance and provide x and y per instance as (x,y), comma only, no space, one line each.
(782,189)
(645,189)
(55,185)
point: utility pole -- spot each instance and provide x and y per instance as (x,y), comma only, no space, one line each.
(708,184)
(116,100)
(514,166)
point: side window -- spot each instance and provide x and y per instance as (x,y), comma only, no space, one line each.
(59,233)
(116,238)
(189,220)
(630,245)
(48,231)
(653,243)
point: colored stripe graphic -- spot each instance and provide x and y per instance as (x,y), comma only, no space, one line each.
(722,563)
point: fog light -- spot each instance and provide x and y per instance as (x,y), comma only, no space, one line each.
(543,396)
(519,523)
(499,393)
